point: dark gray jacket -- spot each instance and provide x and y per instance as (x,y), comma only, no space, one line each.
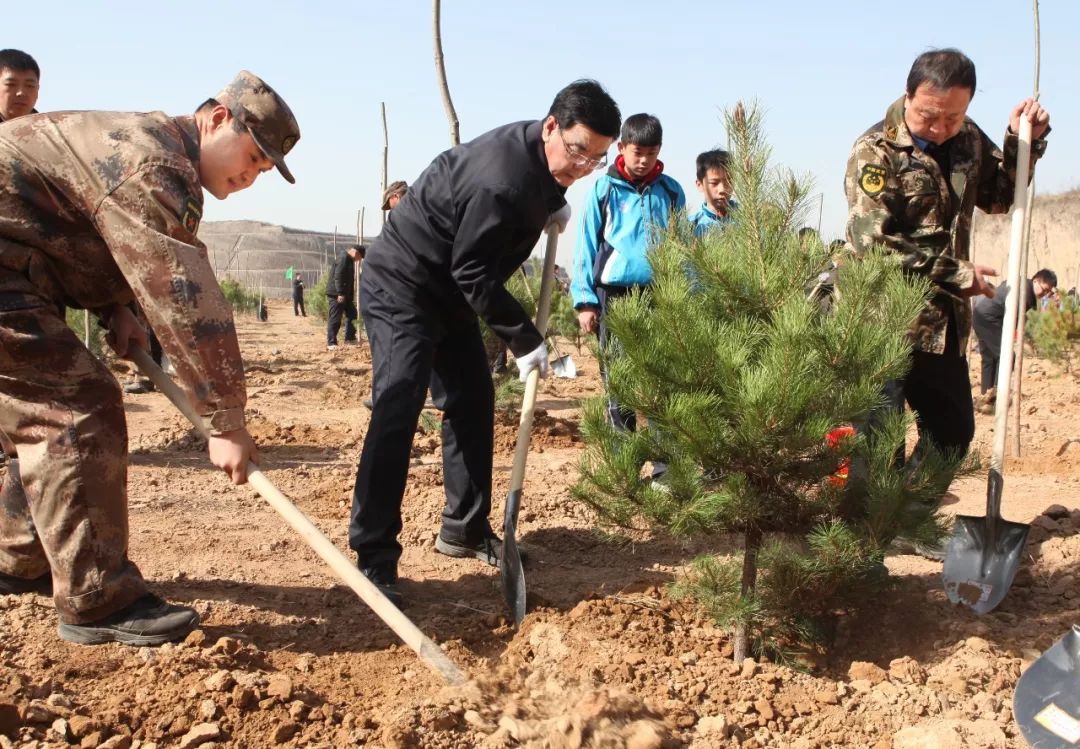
(467,223)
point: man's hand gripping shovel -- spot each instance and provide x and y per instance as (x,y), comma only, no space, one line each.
(429,652)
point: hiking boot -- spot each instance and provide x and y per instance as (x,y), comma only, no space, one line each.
(148,621)
(331,347)
(907,546)
(10,585)
(489,549)
(384,576)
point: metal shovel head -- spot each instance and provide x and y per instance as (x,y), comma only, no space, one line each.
(513,574)
(982,559)
(1046,703)
(563,366)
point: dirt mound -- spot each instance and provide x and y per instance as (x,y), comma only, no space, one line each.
(547,431)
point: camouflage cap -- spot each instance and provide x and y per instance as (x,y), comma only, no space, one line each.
(266,116)
(396,188)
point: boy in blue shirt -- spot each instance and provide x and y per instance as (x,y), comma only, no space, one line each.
(626,206)
(715,185)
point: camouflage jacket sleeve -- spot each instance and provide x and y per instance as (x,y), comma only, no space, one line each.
(149,223)
(877,210)
(997,178)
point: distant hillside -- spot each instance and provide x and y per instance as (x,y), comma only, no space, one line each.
(1055,238)
(255,253)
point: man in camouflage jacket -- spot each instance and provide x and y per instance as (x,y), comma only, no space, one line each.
(99,209)
(912,183)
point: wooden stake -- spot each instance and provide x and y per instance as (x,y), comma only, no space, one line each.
(440,71)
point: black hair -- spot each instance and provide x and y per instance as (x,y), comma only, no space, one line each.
(943,69)
(16,59)
(715,159)
(1047,276)
(359,248)
(586,102)
(642,130)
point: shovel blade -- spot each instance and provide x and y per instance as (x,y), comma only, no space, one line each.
(564,367)
(981,560)
(513,574)
(1046,703)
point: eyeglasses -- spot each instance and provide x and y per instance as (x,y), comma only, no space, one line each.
(578,158)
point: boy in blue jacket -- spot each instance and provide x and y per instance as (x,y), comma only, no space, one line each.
(714,183)
(626,206)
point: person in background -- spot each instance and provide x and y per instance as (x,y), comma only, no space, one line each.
(341,293)
(987,319)
(298,296)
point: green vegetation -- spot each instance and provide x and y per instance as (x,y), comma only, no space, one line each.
(740,377)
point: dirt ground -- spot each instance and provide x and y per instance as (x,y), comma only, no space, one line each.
(288,656)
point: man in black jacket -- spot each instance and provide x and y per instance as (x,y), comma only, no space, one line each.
(460,231)
(341,292)
(298,296)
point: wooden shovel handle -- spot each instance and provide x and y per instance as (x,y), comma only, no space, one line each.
(424,647)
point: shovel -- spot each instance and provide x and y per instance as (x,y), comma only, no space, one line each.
(425,648)
(1046,704)
(984,553)
(513,575)
(561,366)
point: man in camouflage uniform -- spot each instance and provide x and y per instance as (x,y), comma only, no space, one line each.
(98,209)
(19,85)
(913,182)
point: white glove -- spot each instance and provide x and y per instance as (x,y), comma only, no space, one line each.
(535,359)
(559,220)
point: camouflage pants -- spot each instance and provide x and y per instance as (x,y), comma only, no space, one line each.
(61,410)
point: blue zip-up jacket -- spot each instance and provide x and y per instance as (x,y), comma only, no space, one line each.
(614,238)
(704,219)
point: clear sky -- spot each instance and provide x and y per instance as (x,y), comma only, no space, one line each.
(824,71)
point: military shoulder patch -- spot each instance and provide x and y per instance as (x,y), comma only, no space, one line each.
(872,180)
(190,215)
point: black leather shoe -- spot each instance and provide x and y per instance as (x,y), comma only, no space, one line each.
(385,578)
(488,549)
(12,585)
(148,621)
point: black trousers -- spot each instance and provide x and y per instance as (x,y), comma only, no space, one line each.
(938,389)
(623,419)
(298,306)
(412,347)
(338,310)
(988,333)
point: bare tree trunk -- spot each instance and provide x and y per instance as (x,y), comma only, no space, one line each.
(1021,315)
(440,70)
(385,156)
(359,241)
(752,544)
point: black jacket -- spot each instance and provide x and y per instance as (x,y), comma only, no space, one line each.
(342,280)
(467,223)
